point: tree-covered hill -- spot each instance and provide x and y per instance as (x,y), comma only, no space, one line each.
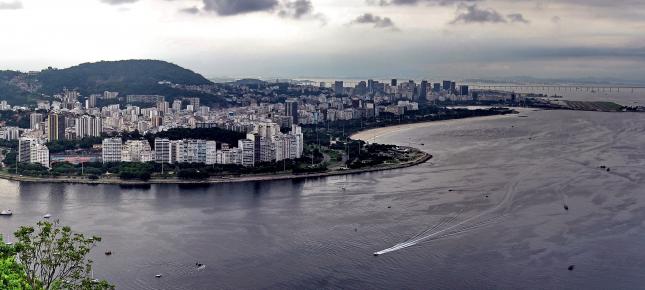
(126,77)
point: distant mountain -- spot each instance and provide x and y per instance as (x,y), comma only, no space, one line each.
(125,77)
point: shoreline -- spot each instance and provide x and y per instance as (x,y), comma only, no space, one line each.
(424,157)
(370,135)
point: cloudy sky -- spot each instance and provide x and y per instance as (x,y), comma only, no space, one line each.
(335,38)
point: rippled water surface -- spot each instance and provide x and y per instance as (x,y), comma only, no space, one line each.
(312,234)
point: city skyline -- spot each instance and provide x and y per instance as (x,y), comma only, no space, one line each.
(331,38)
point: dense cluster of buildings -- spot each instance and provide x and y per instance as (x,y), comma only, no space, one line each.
(260,111)
(265,144)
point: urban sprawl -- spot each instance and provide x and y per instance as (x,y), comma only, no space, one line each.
(268,116)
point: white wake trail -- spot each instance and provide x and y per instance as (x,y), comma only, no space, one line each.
(446,231)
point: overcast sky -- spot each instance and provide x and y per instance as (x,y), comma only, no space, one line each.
(334,38)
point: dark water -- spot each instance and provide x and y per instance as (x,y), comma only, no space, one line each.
(313,235)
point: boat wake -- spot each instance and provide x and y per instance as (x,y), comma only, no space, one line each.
(449,227)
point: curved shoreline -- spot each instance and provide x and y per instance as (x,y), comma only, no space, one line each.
(250,178)
(371,134)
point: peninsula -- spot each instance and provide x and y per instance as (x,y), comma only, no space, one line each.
(103,123)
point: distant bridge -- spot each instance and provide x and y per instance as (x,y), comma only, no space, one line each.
(555,88)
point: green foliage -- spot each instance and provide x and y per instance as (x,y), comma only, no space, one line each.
(216,134)
(13,144)
(55,257)
(30,169)
(192,173)
(12,275)
(310,169)
(135,170)
(15,118)
(126,77)
(58,146)
(10,92)
(10,158)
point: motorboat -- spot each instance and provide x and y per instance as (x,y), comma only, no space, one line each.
(6,212)
(158,275)
(47,216)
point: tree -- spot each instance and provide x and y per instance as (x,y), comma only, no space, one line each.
(55,257)
(12,274)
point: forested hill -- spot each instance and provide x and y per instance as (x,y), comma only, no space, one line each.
(125,77)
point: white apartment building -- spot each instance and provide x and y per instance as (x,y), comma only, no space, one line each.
(247,148)
(136,151)
(112,150)
(88,126)
(32,150)
(211,152)
(163,150)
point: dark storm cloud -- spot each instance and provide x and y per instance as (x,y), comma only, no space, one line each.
(235,7)
(14,5)
(474,14)
(517,17)
(118,2)
(296,9)
(299,9)
(377,21)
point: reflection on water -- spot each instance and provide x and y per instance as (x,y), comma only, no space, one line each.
(312,234)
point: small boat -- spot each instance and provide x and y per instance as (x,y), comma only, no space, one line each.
(158,276)
(571,267)
(8,243)
(566,207)
(376,254)
(47,216)
(108,253)
(6,212)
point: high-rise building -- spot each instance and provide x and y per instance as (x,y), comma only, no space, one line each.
(453,87)
(35,121)
(163,149)
(248,152)
(24,149)
(10,133)
(40,154)
(91,101)
(136,151)
(423,91)
(191,151)
(110,95)
(394,82)
(463,90)
(339,88)
(88,126)
(211,152)
(112,150)
(32,151)
(176,105)
(360,88)
(447,85)
(291,110)
(55,127)
(194,102)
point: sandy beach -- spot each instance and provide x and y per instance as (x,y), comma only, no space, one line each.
(373,135)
